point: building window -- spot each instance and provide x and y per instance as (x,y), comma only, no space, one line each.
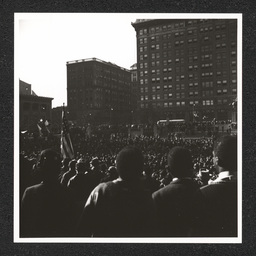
(207,102)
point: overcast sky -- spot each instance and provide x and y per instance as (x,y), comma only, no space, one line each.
(45,42)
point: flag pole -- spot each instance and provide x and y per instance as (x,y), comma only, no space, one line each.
(67,150)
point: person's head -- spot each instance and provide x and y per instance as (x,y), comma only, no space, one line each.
(103,168)
(112,172)
(129,163)
(65,162)
(180,162)
(95,162)
(80,166)
(49,164)
(87,165)
(72,165)
(225,153)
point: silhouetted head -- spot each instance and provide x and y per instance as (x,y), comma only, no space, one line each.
(95,162)
(129,163)
(180,162)
(49,164)
(65,162)
(81,165)
(112,172)
(225,153)
(72,165)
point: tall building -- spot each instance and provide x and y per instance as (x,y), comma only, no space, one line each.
(187,69)
(134,93)
(98,92)
(33,108)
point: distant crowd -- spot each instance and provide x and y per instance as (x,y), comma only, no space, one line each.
(127,187)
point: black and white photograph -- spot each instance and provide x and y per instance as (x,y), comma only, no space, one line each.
(128,128)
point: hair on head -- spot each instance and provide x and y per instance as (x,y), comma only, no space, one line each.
(49,163)
(226,151)
(180,162)
(129,163)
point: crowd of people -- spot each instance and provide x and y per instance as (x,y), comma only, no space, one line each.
(128,187)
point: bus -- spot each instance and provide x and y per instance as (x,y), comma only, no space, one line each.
(171,121)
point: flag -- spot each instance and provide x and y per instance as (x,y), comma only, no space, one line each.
(46,124)
(40,130)
(67,150)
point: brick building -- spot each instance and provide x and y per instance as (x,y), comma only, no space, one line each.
(186,68)
(98,92)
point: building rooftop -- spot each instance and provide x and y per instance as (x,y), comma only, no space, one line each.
(97,60)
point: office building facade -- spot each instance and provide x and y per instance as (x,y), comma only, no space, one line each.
(187,69)
(98,92)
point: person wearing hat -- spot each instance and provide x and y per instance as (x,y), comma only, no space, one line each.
(173,202)
(216,203)
(122,207)
(46,209)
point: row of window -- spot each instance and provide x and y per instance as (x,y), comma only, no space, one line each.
(183,103)
(172,26)
(191,77)
(182,94)
(156,29)
(27,106)
(220,59)
(166,45)
(182,87)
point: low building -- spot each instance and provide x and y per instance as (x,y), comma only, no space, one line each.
(33,108)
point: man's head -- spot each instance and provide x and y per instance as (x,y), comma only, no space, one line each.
(81,165)
(225,153)
(129,163)
(180,162)
(72,165)
(65,162)
(95,163)
(49,164)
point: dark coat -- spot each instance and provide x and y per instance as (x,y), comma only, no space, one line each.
(46,211)
(173,204)
(216,210)
(118,209)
